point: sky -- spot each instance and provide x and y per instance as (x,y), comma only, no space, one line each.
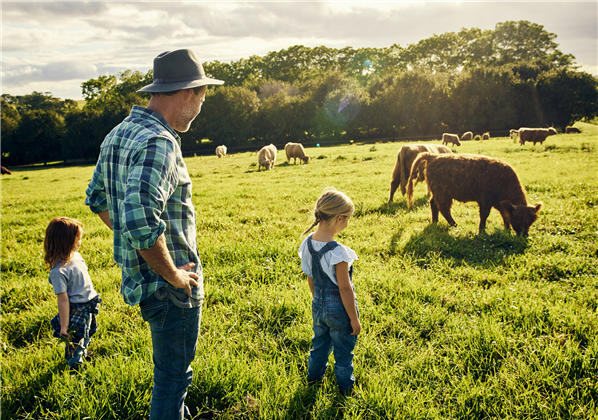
(51,46)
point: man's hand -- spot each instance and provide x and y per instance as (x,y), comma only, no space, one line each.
(159,259)
(183,279)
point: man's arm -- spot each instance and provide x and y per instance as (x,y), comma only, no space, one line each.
(159,259)
(105,216)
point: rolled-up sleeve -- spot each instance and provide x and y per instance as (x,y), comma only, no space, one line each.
(96,192)
(152,179)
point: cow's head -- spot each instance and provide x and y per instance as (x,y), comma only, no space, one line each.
(306,158)
(521,216)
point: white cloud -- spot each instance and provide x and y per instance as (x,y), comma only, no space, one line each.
(52,72)
(45,42)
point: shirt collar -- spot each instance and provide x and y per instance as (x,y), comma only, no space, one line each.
(148,113)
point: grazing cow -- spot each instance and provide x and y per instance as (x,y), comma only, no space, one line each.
(467,136)
(486,136)
(405,158)
(450,138)
(513,133)
(535,135)
(266,157)
(221,151)
(5,171)
(295,150)
(571,130)
(489,182)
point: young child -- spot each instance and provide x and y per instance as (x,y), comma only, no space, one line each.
(78,302)
(329,269)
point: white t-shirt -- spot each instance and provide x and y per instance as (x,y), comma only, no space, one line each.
(329,260)
(73,279)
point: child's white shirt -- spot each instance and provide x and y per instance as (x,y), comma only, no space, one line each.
(74,279)
(329,260)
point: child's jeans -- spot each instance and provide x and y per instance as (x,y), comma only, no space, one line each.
(332,332)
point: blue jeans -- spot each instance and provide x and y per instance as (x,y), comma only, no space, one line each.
(174,339)
(332,332)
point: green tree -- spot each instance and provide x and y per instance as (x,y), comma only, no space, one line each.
(83,135)
(227,117)
(524,41)
(450,51)
(44,102)
(243,72)
(116,94)
(408,103)
(341,106)
(510,42)
(482,100)
(280,118)
(10,120)
(567,96)
(109,100)
(37,138)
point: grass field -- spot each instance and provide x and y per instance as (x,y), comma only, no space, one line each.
(456,325)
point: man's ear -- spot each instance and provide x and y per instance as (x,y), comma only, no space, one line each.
(188,94)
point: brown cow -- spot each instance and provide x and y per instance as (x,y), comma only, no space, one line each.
(486,136)
(405,158)
(535,135)
(489,182)
(467,136)
(450,138)
(572,130)
(294,151)
(5,171)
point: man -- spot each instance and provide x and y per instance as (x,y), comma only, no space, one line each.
(141,189)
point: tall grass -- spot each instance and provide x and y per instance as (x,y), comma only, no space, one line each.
(455,324)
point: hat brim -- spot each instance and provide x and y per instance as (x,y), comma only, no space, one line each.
(169,87)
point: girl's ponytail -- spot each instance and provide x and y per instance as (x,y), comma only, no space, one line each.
(331,204)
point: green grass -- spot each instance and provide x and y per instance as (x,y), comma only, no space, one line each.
(455,324)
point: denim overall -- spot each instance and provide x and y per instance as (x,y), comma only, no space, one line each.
(331,324)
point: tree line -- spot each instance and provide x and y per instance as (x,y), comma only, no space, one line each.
(472,80)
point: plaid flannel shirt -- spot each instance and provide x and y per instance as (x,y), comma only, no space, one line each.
(77,324)
(142,180)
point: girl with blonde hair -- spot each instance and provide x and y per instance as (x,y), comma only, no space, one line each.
(329,269)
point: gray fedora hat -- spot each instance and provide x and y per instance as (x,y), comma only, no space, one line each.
(176,70)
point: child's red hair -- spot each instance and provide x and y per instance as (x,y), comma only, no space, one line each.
(62,235)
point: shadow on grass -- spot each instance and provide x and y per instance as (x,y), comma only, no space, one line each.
(304,401)
(389,209)
(485,249)
(26,399)
(24,334)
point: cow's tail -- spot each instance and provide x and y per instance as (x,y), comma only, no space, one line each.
(421,160)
